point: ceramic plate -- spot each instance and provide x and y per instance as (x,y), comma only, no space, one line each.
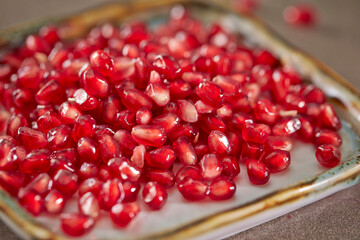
(305,182)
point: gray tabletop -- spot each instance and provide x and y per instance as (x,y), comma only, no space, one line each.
(335,41)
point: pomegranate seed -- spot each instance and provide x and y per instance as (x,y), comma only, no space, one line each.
(164,177)
(165,65)
(125,119)
(110,193)
(95,84)
(35,161)
(90,185)
(218,143)
(231,167)
(299,15)
(54,202)
(11,181)
(154,195)
(329,118)
(126,142)
(109,148)
(169,121)
(265,111)
(222,188)
(76,224)
(179,89)
(210,166)
(89,205)
(210,93)
(286,127)
(143,116)
(31,138)
(279,143)
(87,170)
(162,158)
(187,111)
(159,93)
(59,137)
(134,99)
(84,101)
(102,63)
(131,190)
(138,156)
(252,150)
(277,161)
(211,122)
(256,132)
(315,95)
(32,202)
(280,85)
(325,136)
(239,120)
(185,152)
(150,135)
(69,113)
(328,155)
(7,162)
(257,171)
(51,92)
(123,213)
(192,189)
(66,182)
(306,131)
(122,168)
(188,171)
(48,121)
(84,126)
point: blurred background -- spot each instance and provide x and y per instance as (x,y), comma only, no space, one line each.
(333,38)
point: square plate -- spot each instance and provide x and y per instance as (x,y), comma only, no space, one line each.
(304,183)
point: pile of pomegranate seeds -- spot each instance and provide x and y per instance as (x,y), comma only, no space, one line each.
(124,114)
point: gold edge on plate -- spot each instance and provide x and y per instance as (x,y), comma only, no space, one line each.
(117,11)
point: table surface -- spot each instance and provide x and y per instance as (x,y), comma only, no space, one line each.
(335,41)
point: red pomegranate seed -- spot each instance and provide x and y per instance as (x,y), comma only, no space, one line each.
(89,205)
(328,155)
(48,121)
(110,193)
(109,148)
(149,135)
(307,130)
(126,142)
(138,156)
(187,111)
(143,116)
(84,126)
(328,117)
(102,63)
(41,184)
(159,93)
(325,136)
(315,95)
(11,181)
(32,202)
(211,122)
(279,143)
(299,15)
(95,84)
(184,150)
(131,190)
(76,224)
(59,137)
(231,167)
(210,94)
(179,89)
(280,85)
(169,121)
(162,158)
(222,188)
(87,170)
(35,161)
(85,101)
(154,195)
(192,189)
(257,171)
(7,162)
(265,111)
(51,92)
(286,127)
(134,99)
(15,122)
(239,120)
(123,213)
(210,166)
(125,119)
(256,132)
(165,65)
(69,113)
(277,161)
(188,171)
(218,143)
(31,138)
(164,177)
(54,202)
(90,185)
(66,182)
(122,168)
